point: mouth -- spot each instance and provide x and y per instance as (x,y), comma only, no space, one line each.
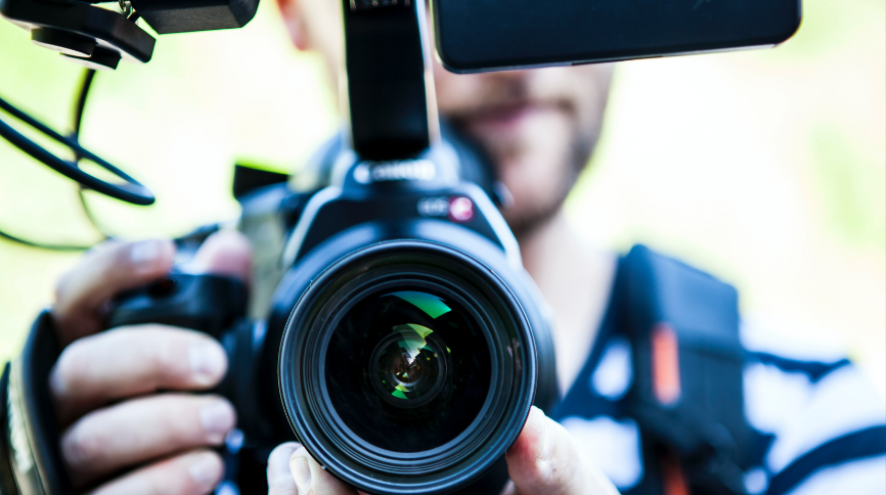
(500,117)
(506,119)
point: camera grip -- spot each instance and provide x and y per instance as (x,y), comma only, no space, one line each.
(206,303)
(214,305)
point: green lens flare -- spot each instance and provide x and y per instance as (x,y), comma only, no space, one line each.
(412,342)
(413,338)
(423,331)
(432,305)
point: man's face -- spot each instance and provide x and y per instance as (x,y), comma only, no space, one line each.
(539,126)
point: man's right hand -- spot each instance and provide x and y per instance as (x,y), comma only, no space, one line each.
(125,398)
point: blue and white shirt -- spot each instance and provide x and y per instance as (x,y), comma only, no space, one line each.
(822,426)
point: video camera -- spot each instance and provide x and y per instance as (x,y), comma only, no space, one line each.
(391,327)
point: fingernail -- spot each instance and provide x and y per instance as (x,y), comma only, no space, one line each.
(217,419)
(208,362)
(547,443)
(145,254)
(205,470)
(301,470)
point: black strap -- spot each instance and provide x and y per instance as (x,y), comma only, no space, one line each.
(705,424)
(814,370)
(855,446)
(7,478)
(34,434)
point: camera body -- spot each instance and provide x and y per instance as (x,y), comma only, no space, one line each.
(402,342)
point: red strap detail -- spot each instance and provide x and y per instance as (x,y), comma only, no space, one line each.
(674,481)
(665,364)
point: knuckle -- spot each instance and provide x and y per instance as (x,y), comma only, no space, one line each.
(81,447)
(158,350)
(204,469)
(537,472)
(71,367)
(90,258)
(167,357)
(61,286)
(553,473)
(64,306)
(189,359)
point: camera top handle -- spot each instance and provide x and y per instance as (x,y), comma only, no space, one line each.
(393,112)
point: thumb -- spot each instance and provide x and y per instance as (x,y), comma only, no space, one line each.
(292,471)
(280,481)
(545,461)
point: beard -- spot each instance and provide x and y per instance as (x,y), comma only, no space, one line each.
(524,221)
(539,128)
(539,166)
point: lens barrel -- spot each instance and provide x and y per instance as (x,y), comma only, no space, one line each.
(407,367)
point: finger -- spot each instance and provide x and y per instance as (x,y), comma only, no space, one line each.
(280,480)
(311,479)
(194,473)
(228,253)
(138,430)
(117,266)
(129,361)
(544,461)
(104,271)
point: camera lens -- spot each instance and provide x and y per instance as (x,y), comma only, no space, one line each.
(408,369)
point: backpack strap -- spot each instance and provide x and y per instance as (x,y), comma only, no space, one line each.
(30,433)
(686,394)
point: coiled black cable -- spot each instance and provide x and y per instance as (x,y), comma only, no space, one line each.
(132,191)
(76,122)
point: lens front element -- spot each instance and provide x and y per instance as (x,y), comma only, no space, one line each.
(412,367)
(409,366)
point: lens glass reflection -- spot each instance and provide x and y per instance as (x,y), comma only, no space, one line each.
(408,370)
(409,365)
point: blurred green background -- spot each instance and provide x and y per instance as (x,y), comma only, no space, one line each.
(765,167)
